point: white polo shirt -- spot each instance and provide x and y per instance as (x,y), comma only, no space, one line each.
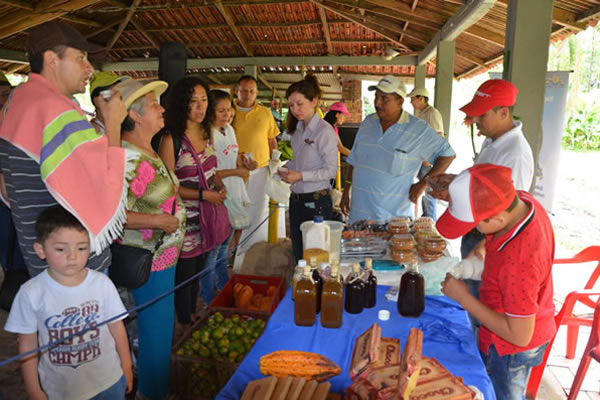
(513,151)
(433,117)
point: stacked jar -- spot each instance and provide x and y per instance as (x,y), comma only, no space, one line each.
(430,245)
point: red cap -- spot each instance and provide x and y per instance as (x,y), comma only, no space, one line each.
(492,93)
(339,106)
(477,193)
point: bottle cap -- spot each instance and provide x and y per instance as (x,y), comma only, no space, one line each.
(318,218)
(383,315)
(302,263)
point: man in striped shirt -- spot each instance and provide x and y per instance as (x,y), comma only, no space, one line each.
(44,104)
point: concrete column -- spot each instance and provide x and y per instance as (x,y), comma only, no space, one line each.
(419,75)
(528,29)
(251,70)
(444,75)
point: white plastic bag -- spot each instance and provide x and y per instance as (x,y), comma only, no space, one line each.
(276,189)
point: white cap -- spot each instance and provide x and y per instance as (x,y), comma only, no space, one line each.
(419,91)
(302,263)
(383,315)
(390,84)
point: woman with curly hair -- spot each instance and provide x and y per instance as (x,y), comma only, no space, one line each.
(186,149)
(315,158)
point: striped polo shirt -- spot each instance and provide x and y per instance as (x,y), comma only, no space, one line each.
(28,197)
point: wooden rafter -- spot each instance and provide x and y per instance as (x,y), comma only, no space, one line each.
(123,24)
(559,16)
(265,82)
(105,27)
(45,10)
(26,6)
(486,64)
(355,17)
(485,35)
(589,14)
(326,35)
(236,31)
(142,29)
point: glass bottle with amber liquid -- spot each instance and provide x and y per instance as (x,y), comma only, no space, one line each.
(370,297)
(305,303)
(411,295)
(354,291)
(297,275)
(332,300)
(316,275)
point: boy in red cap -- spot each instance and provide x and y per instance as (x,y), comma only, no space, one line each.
(515,304)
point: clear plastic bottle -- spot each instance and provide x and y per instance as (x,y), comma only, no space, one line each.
(411,295)
(370,297)
(306,300)
(332,301)
(354,291)
(297,275)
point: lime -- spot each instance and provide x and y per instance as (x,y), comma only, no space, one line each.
(219,317)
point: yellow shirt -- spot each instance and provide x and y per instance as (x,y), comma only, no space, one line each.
(253,129)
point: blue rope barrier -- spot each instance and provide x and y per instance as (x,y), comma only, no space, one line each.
(135,309)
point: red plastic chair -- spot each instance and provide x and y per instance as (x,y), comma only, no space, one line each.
(588,297)
(592,350)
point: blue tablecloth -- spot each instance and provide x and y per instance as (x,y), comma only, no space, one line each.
(447,336)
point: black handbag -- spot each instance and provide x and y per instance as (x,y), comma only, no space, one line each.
(13,278)
(131,266)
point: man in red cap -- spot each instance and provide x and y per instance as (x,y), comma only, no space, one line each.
(515,307)
(505,144)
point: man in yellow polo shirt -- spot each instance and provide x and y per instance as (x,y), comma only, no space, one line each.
(255,130)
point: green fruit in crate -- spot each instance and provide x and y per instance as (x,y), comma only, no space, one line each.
(196,335)
(217,333)
(233,356)
(204,352)
(235,318)
(218,317)
(239,331)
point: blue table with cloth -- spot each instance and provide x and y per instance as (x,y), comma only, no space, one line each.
(447,336)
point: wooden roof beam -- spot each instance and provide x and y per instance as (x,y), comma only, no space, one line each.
(150,64)
(325,26)
(71,18)
(123,24)
(589,14)
(44,11)
(236,31)
(560,17)
(358,19)
(465,17)
(148,35)
(105,27)
(486,64)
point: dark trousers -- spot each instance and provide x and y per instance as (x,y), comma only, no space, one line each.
(187,295)
(468,243)
(303,208)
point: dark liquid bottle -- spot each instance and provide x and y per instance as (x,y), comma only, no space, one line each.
(316,275)
(304,307)
(354,292)
(370,298)
(411,296)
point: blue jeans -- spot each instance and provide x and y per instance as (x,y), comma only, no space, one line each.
(510,373)
(116,391)
(215,267)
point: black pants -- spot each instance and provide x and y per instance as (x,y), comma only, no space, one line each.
(187,295)
(304,208)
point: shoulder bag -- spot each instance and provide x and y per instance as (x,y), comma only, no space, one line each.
(131,266)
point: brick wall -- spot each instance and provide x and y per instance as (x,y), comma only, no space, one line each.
(352,98)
